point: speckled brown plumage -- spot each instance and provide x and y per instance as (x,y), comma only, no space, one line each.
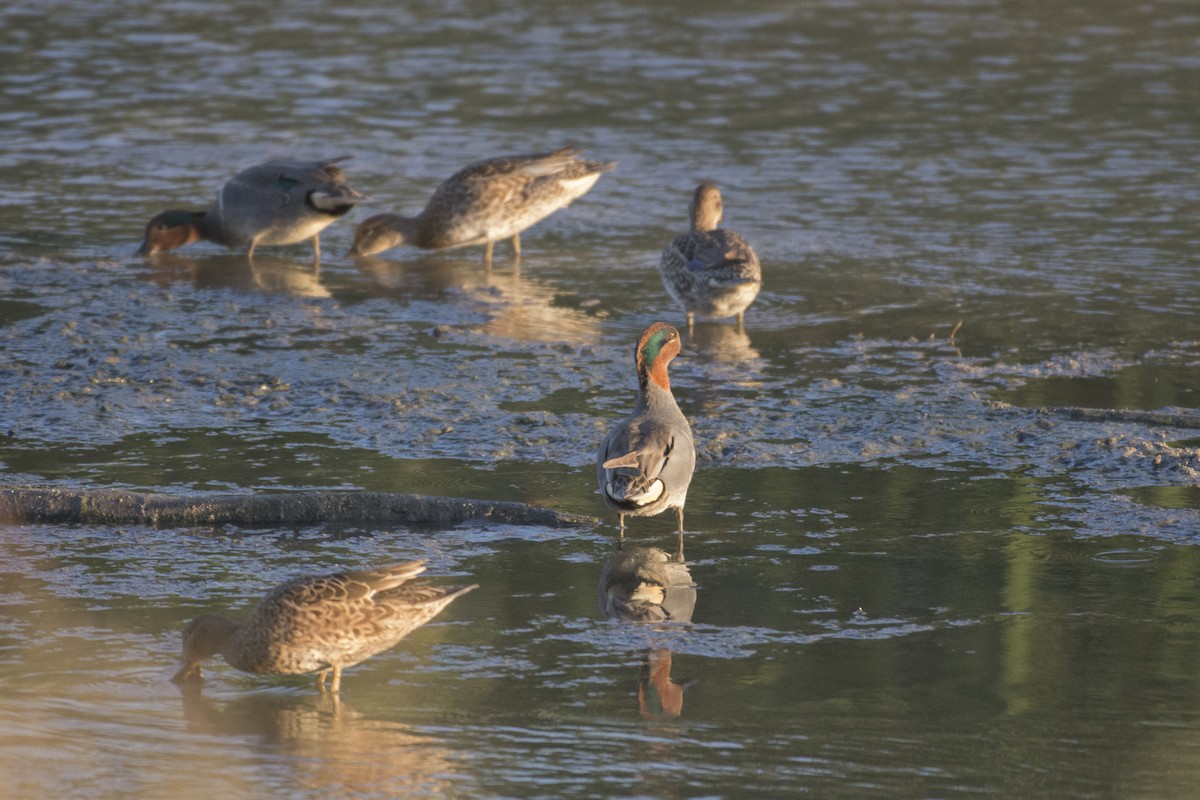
(320,623)
(486,202)
(709,270)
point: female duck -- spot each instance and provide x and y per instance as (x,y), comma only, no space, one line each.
(710,271)
(645,465)
(486,202)
(319,623)
(280,202)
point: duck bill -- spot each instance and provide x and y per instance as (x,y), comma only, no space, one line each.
(188,672)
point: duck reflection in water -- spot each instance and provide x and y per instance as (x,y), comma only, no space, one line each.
(501,303)
(431,278)
(647,585)
(722,344)
(733,370)
(263,274)
(331,748)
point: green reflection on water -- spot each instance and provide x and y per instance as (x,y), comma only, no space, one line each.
(220,460)
(1167,496)
(1138,386)
(13,311)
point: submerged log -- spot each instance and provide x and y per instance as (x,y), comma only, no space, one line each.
(118,507)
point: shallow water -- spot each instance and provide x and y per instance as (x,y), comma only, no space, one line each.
(918,572)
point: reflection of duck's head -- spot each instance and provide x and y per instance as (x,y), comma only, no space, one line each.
(656,675)
(645,584)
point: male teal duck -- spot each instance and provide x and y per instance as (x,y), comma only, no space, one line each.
(280,202)
(645,465)
(319,623)
(486,202)
(710,271)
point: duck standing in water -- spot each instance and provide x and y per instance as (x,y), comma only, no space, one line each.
(486,202)
(710,271)
(319,624)
(645,465)
(280,202)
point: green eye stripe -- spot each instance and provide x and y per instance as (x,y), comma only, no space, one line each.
(654,346)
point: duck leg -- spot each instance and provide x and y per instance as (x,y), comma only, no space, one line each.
(487,252)
(316,241)
(679,513)
(740,316)
(321,680)
(336,684)
(621,524)
(516,243)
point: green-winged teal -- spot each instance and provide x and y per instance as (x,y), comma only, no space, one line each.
(319,623)
(486,202)
(645,465)
(280,202)
(710,271)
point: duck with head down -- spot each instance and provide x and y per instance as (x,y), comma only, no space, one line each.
(280,202)
(486,202)
(644,467)
(319,623)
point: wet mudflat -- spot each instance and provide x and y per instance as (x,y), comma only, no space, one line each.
(920,570)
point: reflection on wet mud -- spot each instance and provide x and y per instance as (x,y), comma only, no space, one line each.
(333,749)
(427,277)
(717,365)
(647,585)
(235,271)
(512,305)
(718,342)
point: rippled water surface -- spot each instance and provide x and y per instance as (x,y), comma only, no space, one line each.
(931,559)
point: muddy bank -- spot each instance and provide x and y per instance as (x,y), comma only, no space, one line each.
(115,507)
